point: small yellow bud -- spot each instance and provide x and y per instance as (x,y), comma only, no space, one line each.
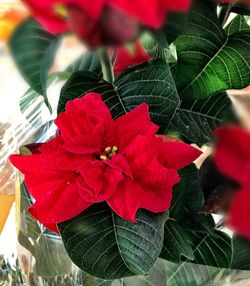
(103,158)
(114,149)
(61,10)
(108,150)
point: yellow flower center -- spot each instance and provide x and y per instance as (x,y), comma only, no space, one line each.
(61,10)
(108,153)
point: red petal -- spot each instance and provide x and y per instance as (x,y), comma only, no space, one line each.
(82,22)
(55,157)
(177,5)
(93,8)
(98,181)
(130,197)
(90,111)
(126,59)
(136,122)
(45,14)
(232,153)
(119,162)
(149,12)
(84,144)
(239,214)
(176,154)
(59,205)
(45,173)
(145,165)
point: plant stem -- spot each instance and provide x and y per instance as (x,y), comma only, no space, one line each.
(107,68)
(46,101)
(224,14)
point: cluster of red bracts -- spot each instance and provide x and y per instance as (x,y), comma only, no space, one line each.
(99,22)
(96,159)
(106,22)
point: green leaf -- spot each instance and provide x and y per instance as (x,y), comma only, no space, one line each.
(212,249)
(186,194)
(207,248)
(174,26)
(33,50)
(209,61)
(196,238)
(106,246)
(31,102)
(241,253)
(89,61)
(195,120)
(176,242)
(46,247)
(81,83)
(151,83)
(238,24)
(156,45)
(187,203)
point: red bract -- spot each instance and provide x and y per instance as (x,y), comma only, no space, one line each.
(232,157)
(96,159)
(126,58)
(103,21)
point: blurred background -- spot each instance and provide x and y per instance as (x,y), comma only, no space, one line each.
(20,116)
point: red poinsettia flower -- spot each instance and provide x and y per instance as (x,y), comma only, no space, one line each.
(232,157)
(103,21)
(126,59)
(96,159)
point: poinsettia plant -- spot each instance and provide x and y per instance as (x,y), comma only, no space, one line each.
(117,181)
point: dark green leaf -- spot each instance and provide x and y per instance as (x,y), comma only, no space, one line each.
(106,246)
(160,39)
(81,83)
(208,60)
(89,61)
(174,26)
(33,50)
(201,244)
(151,83)
(30,103)
(209,249)
(196,119)
(176,243)
(212,249)
(186,195)
(238,24)
(241,253)
(187,203)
